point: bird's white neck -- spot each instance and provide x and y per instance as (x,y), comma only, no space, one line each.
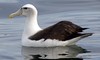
(31,26)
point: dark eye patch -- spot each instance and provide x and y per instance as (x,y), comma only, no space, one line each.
(25,8)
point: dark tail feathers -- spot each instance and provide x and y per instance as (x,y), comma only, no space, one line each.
(84,28)
(86,35)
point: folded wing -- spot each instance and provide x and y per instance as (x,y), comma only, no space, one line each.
(63,30)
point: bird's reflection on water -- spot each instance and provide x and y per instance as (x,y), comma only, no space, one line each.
(52,53)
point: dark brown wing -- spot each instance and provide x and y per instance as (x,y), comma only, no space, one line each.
(63,30)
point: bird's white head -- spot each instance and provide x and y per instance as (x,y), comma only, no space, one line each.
(26,10)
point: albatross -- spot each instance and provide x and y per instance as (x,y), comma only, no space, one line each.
(63,33)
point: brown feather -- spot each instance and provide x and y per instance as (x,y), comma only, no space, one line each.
(63,30)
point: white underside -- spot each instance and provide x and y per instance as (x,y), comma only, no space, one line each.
(49,42)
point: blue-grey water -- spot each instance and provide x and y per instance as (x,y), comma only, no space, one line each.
(85,13)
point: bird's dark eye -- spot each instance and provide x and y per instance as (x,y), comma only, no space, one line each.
(25,8)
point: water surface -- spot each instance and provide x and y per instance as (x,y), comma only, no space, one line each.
(85,13)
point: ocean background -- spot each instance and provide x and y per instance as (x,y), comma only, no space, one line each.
(85,13)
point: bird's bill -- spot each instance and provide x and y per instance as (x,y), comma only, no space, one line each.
(17,13)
